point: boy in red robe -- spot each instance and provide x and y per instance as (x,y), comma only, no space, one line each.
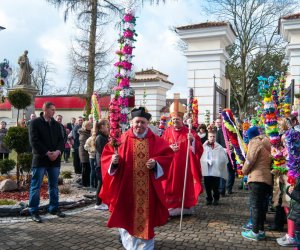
(177,137)
(132,188)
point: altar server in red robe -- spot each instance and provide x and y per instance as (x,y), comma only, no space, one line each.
(132,184)
(177,137)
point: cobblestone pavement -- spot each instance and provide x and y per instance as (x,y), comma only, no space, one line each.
(212,227)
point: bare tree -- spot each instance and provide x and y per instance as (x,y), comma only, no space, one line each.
(13,77)
(79,56)
(255,23)
(91,12)
(41,76)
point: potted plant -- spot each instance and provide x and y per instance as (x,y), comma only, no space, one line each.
(19,99)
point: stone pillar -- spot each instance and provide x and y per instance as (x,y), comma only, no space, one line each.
(289,28)
(30,109)
(150,87)
(206,58)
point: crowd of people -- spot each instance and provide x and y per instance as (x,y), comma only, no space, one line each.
(142,180)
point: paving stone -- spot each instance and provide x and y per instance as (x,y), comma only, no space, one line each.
(85,228)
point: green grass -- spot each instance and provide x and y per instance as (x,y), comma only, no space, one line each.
(7,202)
(66,174)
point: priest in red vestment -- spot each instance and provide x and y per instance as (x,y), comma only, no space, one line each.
(177,137)
(132,183)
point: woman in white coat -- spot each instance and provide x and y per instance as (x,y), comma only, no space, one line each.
(214,165)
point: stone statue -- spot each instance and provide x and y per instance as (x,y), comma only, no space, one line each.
(25,70)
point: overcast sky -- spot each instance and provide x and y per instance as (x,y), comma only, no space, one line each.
(39,27)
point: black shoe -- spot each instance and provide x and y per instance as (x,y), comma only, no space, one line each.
(208,203)
(58,213)
(36,218)
(215,203)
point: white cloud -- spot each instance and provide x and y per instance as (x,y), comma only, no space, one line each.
(39,27)
(56,45)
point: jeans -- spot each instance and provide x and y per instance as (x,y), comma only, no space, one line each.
(35,185)
(259,192)
(211,183)
(229,183)
(222,185)
(93,178)
(67,154)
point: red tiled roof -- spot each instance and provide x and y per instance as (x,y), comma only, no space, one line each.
(62,102)
(149,72)
(292,16)
(205,25)
(155,79)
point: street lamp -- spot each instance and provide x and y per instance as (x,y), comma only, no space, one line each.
(2,28)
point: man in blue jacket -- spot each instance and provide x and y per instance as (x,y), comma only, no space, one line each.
(47,146)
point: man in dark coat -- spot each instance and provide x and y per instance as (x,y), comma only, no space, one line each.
(47,146)
(72,124)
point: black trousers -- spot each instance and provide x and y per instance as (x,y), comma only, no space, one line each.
(4,156)
(259,193)
(99,185)
(231,178)
(86,171)
(76,162)
(280,216)
(211,184)
(297,236)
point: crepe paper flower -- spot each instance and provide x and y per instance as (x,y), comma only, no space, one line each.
(119,104)
(123,118)
(292,138)
(126,65)
(268,89)
(125,102)
(119,52)
(124,82)
(127,50)
(128,33)
(232,134)
(118,64)
(129,18)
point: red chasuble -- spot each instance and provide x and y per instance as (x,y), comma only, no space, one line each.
(173,185)
(135,198)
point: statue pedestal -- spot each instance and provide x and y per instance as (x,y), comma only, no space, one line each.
(30,109)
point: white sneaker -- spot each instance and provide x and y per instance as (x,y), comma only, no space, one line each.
(286,241)
(101,207)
